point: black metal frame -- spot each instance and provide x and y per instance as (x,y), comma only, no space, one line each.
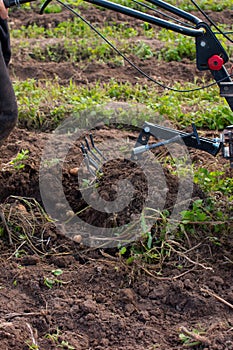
(174,136)
(194,32)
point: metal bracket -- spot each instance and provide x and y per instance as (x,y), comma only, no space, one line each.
(227,142)
(173,136)
(226,89)
(208,45)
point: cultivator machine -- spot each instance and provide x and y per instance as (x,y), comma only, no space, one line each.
(210,55)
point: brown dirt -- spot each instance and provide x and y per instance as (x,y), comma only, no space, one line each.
(100,302)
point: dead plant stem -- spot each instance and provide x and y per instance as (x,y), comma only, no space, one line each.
(212,294)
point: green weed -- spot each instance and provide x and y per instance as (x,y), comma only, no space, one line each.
(205,217)
(176,46)
(50,282)
(214,181)
(57,339)
(191,339)
(43,104)
(204,4)
(74,29)
(19,161)
(142,50)
(31,345)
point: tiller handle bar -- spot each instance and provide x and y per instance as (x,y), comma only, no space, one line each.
(195,32)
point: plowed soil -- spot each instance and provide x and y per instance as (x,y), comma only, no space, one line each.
(55,292)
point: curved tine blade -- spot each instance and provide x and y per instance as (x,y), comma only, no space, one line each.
(83,149)
(96,148)
(89,161)
(91,171)
(92,162)
(87,144)
(86,159)
(90,150)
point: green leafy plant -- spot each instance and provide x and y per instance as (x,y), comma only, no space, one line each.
(196,214)
(50,282)
(214,181)
(44,104)
(204,4)
(57,339)
(19,161)
(57,272)
(176,46)
(32,346)
(194,338)
(205,217)
(142,50)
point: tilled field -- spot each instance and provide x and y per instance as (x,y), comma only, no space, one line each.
(56,292)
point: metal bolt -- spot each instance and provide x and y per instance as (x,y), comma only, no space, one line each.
(203,43)
(147,129)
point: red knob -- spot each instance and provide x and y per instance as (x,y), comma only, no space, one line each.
(215,62)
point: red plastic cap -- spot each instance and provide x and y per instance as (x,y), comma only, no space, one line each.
(215,62)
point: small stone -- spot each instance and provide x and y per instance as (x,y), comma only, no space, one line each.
(21,208)
(89,306)
(127,295)
(70,213)
(105,341)
(77,238)
(74,171)
(129,309)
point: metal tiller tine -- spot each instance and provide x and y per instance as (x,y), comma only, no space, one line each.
(96,148)
(90,159)
(90,150)
(86,160)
